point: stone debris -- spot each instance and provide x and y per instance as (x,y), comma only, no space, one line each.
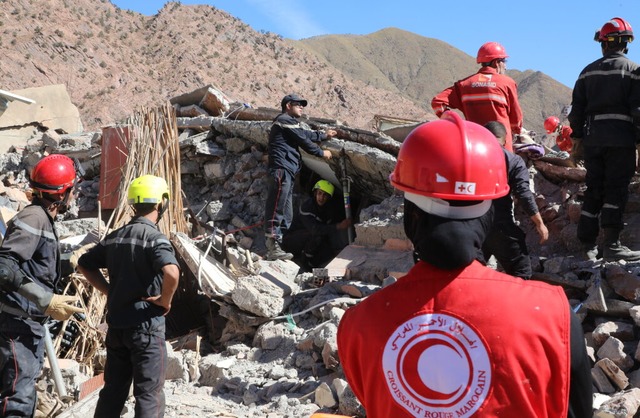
(256,338)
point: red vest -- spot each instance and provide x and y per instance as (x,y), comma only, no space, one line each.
(463,343)
(484,97)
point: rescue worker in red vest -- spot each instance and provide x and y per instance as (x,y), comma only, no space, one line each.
(453,338)
(560,133)
(487,95)
(29,273)
(605,97)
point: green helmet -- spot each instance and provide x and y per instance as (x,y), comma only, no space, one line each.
(147,189)
(325,186)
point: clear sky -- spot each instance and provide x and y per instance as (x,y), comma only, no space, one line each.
(555,37)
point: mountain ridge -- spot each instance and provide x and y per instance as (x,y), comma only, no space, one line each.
(113,61)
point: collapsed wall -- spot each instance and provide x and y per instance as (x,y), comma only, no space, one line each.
(251,355)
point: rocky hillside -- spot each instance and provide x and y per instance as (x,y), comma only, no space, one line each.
(114,61)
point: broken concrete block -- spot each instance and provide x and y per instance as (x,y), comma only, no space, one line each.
(613,349)
(324,396)
(601,381)
(620,330)
(282,273)
(191,111)
(623,283)
(213,369)
(214,170)
(175,369)
(613,372)
(214,102)
(622,405)
(260,296)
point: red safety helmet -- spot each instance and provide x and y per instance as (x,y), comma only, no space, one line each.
(54,174)
(490,51)
(451,159)
(617,29)
(551,124)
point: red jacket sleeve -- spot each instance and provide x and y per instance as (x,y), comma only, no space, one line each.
(445,100)
(515,112)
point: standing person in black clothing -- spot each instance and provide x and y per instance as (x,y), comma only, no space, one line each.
(143,276)
(29,273)
(287,135)
(605,96)
(506,240)
(319,230)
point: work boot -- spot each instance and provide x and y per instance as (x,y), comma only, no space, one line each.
(614,251)
(590,251)
(274,252)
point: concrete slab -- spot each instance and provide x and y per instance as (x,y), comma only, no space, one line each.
(52,108)
(370,264)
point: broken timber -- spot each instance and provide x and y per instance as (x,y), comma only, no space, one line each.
(213,277)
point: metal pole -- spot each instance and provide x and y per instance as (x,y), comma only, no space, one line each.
(53,362)
(346,190)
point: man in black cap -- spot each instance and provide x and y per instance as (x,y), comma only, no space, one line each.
(287,135)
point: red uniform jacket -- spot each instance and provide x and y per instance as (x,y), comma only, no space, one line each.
(563,140)
(466,343)
(484,97)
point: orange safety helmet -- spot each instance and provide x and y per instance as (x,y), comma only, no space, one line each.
(616,29)
(490,51)
(451,159)
(551,124)
(54,174)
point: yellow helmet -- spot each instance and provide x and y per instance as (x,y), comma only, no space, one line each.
(325,186)
(147,189)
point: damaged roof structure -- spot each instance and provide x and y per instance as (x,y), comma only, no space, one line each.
(255,338)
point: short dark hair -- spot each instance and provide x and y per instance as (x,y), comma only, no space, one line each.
(143,209)
(498,130)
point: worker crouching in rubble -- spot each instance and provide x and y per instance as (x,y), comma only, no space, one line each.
(319,231)
(453,337)
(29,273)
(143,276)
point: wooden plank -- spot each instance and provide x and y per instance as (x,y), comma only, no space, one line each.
(213,277)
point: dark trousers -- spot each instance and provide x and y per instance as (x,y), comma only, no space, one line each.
(137,354)
(508,245)
(609,172)
(317,250)
(278,212)
(21,360)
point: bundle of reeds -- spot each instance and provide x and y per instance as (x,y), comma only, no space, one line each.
(153,148)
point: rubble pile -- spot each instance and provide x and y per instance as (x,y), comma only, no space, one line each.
(257,338)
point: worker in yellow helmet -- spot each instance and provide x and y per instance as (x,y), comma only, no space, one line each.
(319,229)
(143,276)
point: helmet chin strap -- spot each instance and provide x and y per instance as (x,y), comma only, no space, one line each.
(61,205)
(162,208)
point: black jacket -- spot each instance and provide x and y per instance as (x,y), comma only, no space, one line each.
(286,136)
(518,178)
(31,241)
(319,220)
(134,256)
(603,97)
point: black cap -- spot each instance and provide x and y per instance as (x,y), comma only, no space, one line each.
(293,98)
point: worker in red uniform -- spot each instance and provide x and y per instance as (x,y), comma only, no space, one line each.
(453,338)
(487,95)
(560,132)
